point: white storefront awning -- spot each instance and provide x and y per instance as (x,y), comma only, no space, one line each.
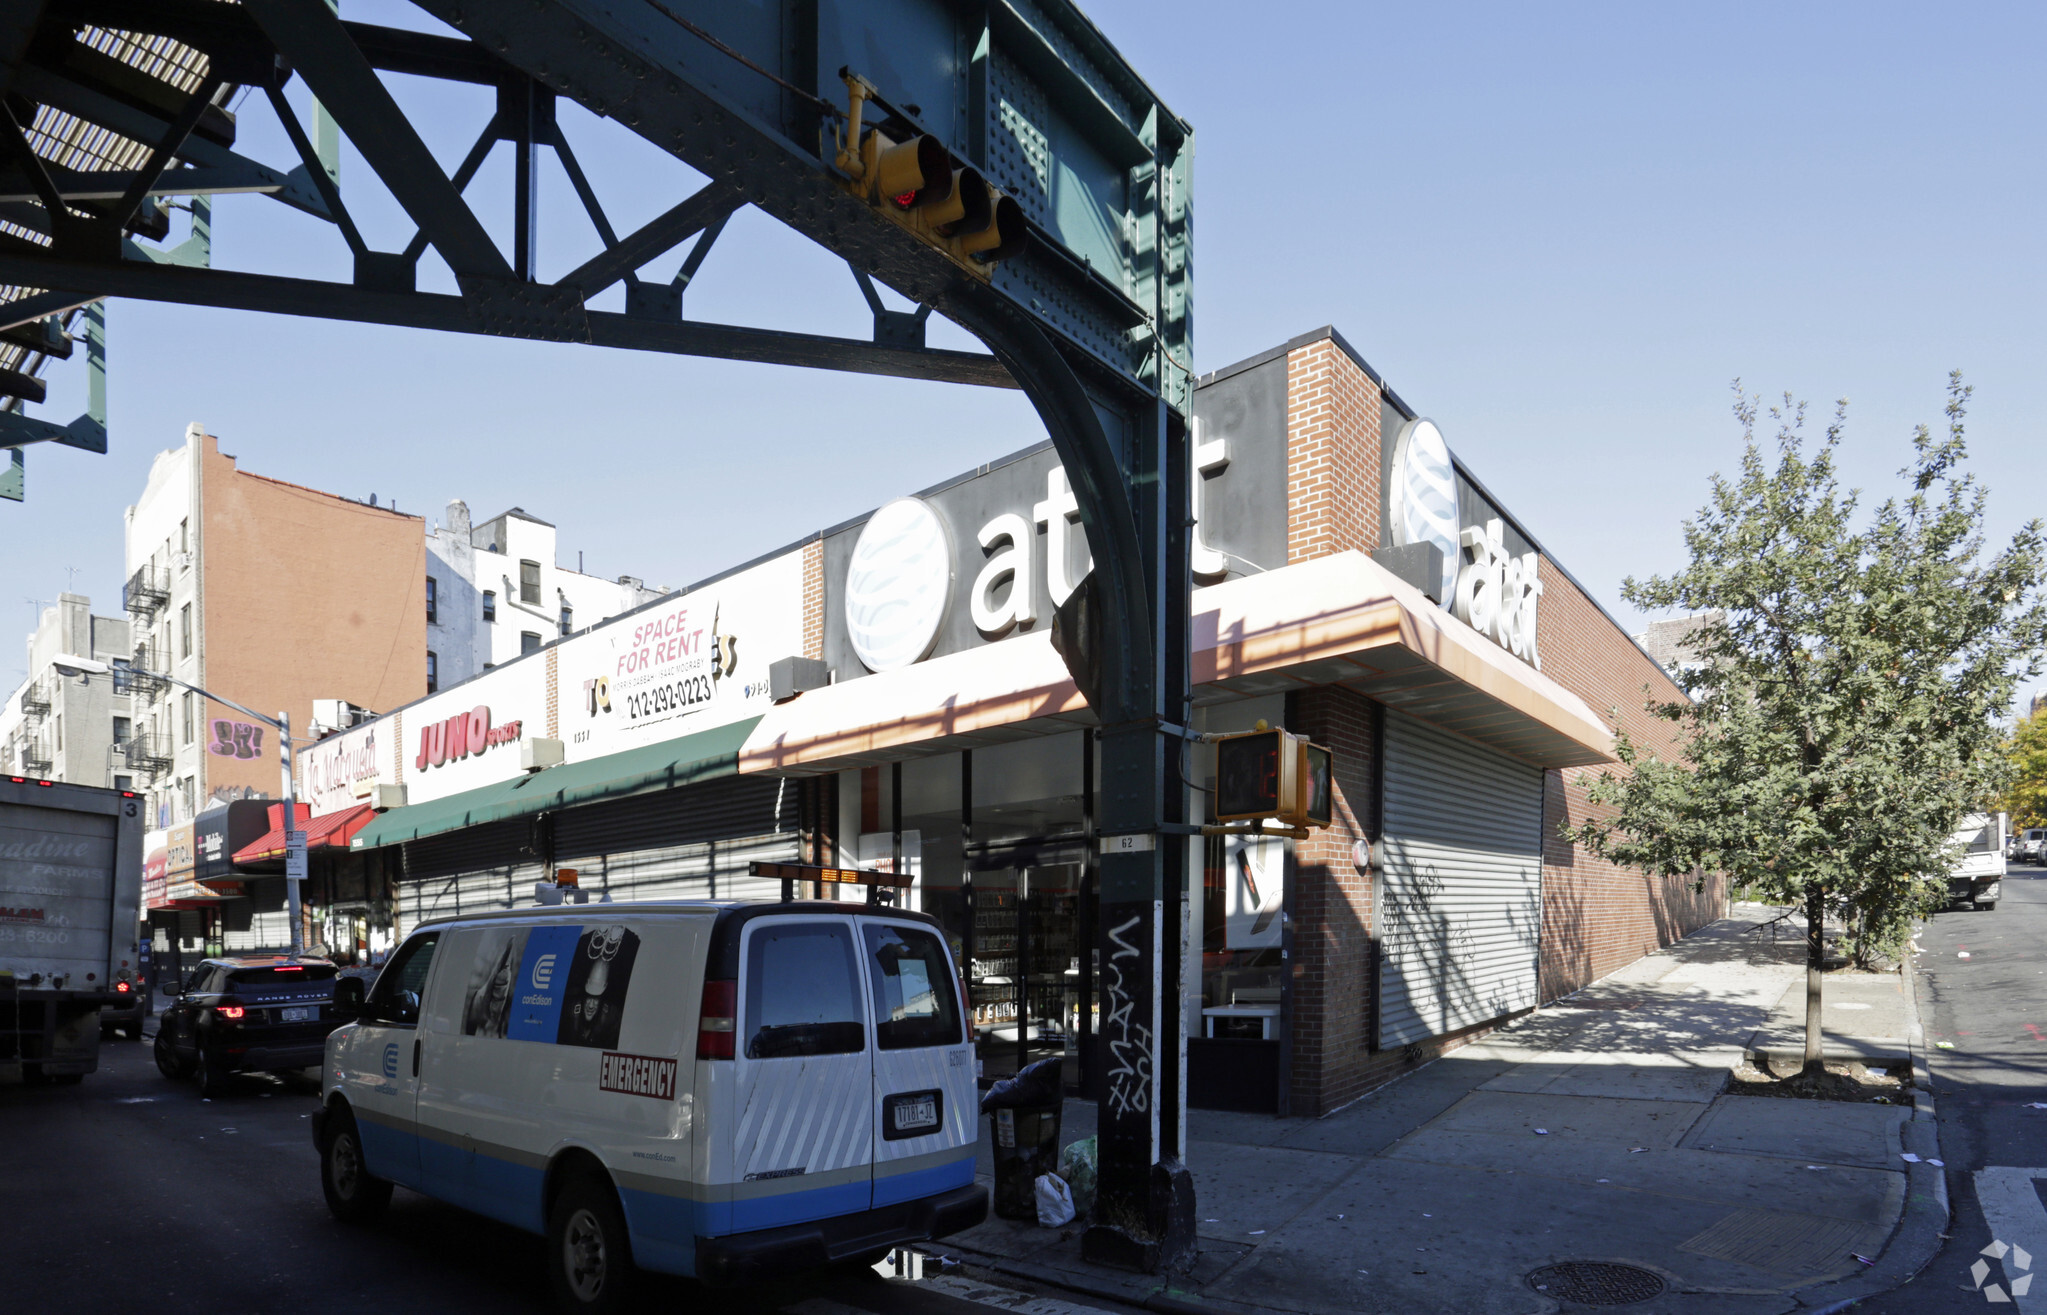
(1337,620)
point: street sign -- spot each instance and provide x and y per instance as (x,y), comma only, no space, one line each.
(295,865)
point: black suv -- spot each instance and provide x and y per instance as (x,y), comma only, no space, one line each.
(262,1013)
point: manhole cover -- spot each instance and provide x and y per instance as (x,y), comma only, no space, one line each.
(1595,1283)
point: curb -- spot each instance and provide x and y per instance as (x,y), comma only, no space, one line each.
(1917,1238)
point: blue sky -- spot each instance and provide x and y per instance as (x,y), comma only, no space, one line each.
(1560,231)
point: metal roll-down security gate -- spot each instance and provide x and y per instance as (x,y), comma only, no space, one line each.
(998,163)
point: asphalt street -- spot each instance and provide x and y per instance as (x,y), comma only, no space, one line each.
(130,1192)
(1983,990)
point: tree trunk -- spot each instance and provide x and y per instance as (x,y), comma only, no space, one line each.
(1815,955)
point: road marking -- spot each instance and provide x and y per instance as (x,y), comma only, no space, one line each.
(1022,1303)
(960,1289)
(2011,1206)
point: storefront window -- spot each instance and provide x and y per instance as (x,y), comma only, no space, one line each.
(1006,876)
(1243,900)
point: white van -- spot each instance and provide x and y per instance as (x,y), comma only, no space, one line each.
(712,1089)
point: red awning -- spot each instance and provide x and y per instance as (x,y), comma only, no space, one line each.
(328,829)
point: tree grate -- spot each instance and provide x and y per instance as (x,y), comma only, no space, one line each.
(1595,1283)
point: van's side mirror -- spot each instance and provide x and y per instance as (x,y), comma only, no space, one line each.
(348,997)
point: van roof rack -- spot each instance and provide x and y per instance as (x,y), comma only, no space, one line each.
(881,886)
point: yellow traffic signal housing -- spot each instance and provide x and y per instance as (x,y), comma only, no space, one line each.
(918,184)
(1272,774)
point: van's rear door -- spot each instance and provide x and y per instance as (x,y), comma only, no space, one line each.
(803,1142)
(925,1103)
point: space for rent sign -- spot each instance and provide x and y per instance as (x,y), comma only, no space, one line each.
(682,665)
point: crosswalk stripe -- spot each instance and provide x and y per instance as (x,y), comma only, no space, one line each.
(2011,1206)
(1020,1303)
(960,1289)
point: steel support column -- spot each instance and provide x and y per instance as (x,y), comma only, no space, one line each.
(1125,456)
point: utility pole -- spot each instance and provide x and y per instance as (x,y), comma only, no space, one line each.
(294,839)
(294,834)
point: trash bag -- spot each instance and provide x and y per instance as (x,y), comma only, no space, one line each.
(1055,1201)
(1077,1167)
(1037,1084)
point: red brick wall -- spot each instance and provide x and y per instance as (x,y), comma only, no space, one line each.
(1332,966)
(1332,453)
(813,599)
(1598,917)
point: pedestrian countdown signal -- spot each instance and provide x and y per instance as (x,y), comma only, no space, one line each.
(1271,773)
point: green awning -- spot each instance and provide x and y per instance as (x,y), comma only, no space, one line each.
(685,760)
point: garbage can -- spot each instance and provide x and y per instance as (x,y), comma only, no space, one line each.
(1023,1123)
(1026,1147)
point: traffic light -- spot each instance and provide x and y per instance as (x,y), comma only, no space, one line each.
(1271,773)
(912,179)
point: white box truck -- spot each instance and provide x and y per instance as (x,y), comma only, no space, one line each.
(1977,875)
(70,888)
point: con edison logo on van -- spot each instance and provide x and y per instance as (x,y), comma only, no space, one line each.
(536,1014)
(391,1061)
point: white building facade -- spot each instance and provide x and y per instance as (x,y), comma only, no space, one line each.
(71,727)
(495,592)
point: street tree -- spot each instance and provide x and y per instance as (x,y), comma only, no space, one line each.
(1848,706)
(2025,797)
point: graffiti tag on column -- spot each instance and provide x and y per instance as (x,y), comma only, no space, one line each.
(1129,1046)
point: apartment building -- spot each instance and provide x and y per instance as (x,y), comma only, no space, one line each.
(494,592)
(63,723)
(270,594)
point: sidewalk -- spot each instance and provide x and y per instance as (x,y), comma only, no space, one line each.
(1594,1130)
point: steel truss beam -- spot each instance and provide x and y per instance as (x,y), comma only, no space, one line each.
(1093,322)
(506,309)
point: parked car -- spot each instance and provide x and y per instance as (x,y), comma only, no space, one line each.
(718,1090)
(2031,842)
(248,1014)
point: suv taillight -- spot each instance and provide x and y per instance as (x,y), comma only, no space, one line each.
(230,1013)
(715,1022)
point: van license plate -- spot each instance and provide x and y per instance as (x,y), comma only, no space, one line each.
(297,1015)
(912,1114)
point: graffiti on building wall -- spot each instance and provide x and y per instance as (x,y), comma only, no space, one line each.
(235,739)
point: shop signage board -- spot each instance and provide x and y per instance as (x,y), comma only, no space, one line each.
(155,864)
(456,740)
(990,556)
(681,665)
(469,736)
(1491,572)
(338,772)
(181,854)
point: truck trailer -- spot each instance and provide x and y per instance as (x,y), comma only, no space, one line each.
(70,889)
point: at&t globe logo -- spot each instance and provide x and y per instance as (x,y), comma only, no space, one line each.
(898,584)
